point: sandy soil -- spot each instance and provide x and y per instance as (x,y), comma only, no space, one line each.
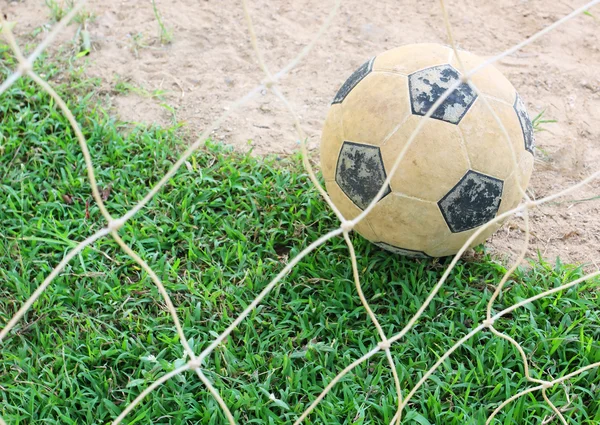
(208,64)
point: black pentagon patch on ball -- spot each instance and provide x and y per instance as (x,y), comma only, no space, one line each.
(353,80)
(360,172)
(472,202)
(428,85)
(526,124)
(402,251)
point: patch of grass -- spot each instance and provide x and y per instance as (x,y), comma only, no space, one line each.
(125,87)
(137,43)
(538,121)
(57,10)
(164,34)
(81,42)
(216,235)
(60,8)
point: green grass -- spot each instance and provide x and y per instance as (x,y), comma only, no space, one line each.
(216,235)
(60,8)
(165,35)
(125,87)
(538,122)
(58,11)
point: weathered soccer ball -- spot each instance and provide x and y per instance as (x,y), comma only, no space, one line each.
(458,173)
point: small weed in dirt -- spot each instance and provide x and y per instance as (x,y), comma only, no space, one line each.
(164,34)
(538,121)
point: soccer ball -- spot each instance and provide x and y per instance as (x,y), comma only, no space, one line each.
(459,172)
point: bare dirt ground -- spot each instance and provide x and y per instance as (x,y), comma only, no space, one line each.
(208,64)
